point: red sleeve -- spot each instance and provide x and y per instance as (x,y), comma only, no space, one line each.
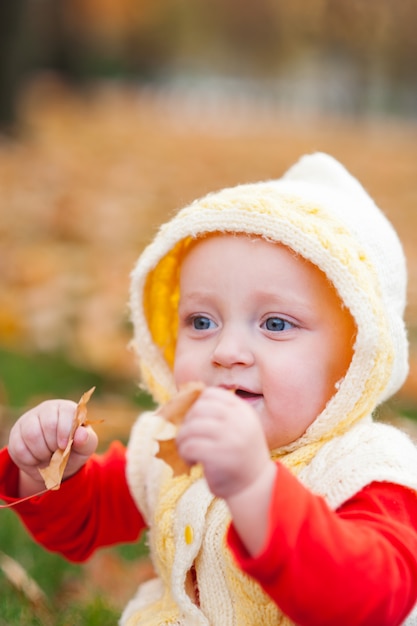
(92,509)
(356,565)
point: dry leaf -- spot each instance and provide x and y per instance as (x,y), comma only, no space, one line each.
(52,474)
(168,452)
(20,579)
(174,411)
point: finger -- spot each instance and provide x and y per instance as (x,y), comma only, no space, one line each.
(33,447)
(85,441)
(202,430)
(192,450)
(198,436)
(84,445)
(47,425)
(18,450)
(61,417)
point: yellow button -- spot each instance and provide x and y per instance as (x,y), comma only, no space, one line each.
(188,534)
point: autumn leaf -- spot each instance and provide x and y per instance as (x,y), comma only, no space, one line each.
(52,474)
(168,452)
(174,412)
(21,580)
(175,409)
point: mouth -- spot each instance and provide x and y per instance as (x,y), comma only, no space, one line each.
(247,395)
(243,393)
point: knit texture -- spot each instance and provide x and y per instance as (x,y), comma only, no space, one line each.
(321,212)
(367,452)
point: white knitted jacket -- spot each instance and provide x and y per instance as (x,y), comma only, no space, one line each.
(319,210)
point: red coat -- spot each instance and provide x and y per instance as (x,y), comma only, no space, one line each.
(351,567)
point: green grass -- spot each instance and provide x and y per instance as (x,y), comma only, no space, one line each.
(24,377)
(54,575)
(49,570)
(409,412)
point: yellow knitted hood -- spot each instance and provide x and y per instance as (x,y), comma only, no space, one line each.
(320,211)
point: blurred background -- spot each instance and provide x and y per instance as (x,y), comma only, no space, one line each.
(114,114)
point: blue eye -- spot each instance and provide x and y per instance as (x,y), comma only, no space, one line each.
(277,324)
(200,322)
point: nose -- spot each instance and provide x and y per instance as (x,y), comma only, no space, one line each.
(232,348)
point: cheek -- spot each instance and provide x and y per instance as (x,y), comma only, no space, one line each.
(186,364)
(299,388)
(180,369)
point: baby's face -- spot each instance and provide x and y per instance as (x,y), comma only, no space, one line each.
(255,318)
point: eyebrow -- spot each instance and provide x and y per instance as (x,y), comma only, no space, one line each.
(264,296)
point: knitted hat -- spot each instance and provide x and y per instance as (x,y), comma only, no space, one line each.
(322,212)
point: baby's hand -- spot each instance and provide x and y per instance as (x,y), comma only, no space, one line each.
(38,433)
(224,433)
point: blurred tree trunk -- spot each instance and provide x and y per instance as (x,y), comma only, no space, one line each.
(12,24)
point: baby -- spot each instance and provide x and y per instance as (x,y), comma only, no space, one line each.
(285,299)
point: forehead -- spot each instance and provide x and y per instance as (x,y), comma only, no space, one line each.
(236,249)
(243,257)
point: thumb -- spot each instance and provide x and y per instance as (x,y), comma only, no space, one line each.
(85,441)
(83,446)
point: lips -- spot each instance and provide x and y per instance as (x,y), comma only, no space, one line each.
(243,392)
(247,395)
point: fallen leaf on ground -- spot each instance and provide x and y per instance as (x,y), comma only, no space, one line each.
(174,412)
(52,474)
(19,578)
